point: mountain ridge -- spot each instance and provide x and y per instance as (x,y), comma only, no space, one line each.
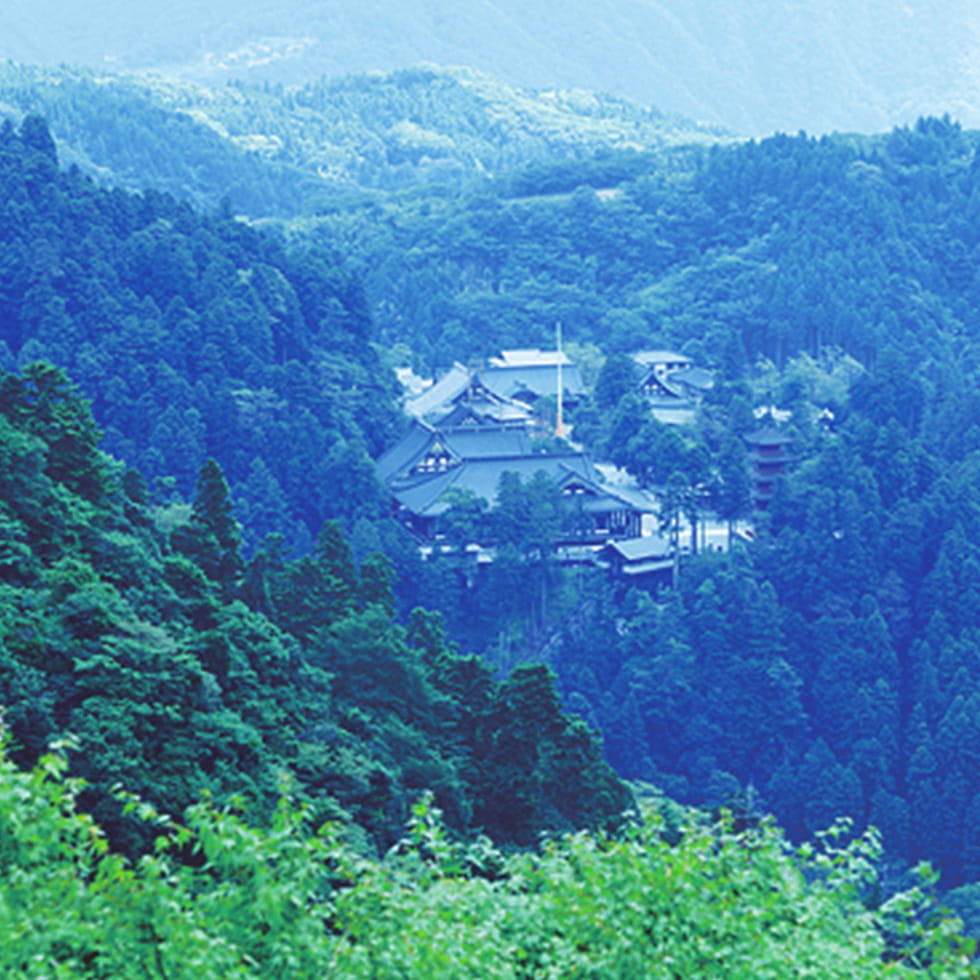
(754,68)
(270,148)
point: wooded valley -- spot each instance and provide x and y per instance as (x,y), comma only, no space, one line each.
(203,589)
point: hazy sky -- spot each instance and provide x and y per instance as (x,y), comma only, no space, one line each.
(753,65)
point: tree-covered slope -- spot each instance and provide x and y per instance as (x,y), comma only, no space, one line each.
(281,151)
(828,665)
(194,335)
(177,670)
(758,249)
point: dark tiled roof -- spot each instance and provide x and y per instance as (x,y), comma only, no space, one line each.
(768,435)
(651,357)
(461,443)
(486,441)
(406,452)
(540,380)
(499,411)
(449,386)
(424,494)
(665,388)
(461,388)
(694,377)
(642,549)
(526,356)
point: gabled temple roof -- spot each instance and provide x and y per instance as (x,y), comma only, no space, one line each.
(529,357)
(448,387)
(460,386)
(480,411)
(662,387)
(538,380)
(653,546)
(637,557)
(475,441)
(633,498)
(694,377)
(486,442)
(406,452)
(461,444)
(517,374)
(768,435)
(425,494)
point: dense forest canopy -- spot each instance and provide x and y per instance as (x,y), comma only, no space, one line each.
(195,336)
(762,249)
(766,248)
(273,150)
(179,669)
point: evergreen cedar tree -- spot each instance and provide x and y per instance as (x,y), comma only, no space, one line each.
(211,538)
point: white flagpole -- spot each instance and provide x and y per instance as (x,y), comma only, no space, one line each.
(559,424)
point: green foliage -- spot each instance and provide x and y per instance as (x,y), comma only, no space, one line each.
(377,581)
(211,538)
(282,901)
(763,249)
(464,520)
(135,639)
(827,667)
(617,377)
(527,515)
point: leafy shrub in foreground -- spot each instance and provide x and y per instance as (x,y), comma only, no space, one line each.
(281,902)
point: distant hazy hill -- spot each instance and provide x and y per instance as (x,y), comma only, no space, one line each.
(275,150)
(752,65)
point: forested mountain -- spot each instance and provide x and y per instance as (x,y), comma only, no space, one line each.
(758,249)
(281,151)
(755,66)
(195,336)
(795,243)
(828,667)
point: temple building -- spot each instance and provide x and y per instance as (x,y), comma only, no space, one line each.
(527,375)
(503,391)
(460,395)
(672,385)
(429,463)
(768,460)
(648,562)
(660,363)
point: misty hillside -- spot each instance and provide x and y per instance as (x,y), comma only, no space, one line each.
(273,150)
(753,67)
